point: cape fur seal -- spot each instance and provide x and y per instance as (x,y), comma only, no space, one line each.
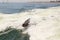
(26,23)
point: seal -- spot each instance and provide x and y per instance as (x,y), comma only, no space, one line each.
(26,23)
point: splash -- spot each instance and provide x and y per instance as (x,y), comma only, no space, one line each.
(44,23)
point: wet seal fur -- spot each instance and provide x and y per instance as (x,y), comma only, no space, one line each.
(26,23)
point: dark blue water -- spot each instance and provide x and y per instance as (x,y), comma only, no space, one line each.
(21,7)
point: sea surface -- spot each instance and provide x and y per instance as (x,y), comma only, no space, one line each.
(10,8)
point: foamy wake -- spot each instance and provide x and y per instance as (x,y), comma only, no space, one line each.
(44,23)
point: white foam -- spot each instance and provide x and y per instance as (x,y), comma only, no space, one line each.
(44,23)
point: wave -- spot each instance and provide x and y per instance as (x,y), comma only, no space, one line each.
(10,8)
(44,23)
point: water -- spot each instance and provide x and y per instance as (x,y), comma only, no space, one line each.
(16,8)
(13,34)
(21,7)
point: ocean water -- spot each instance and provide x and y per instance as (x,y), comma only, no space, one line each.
(13,34)
(10,8)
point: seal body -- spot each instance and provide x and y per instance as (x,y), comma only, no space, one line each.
(26,23)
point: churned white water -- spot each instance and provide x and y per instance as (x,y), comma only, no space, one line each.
(44,23)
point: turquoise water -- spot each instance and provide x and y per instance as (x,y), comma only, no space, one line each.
(13,34)
(21,7)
